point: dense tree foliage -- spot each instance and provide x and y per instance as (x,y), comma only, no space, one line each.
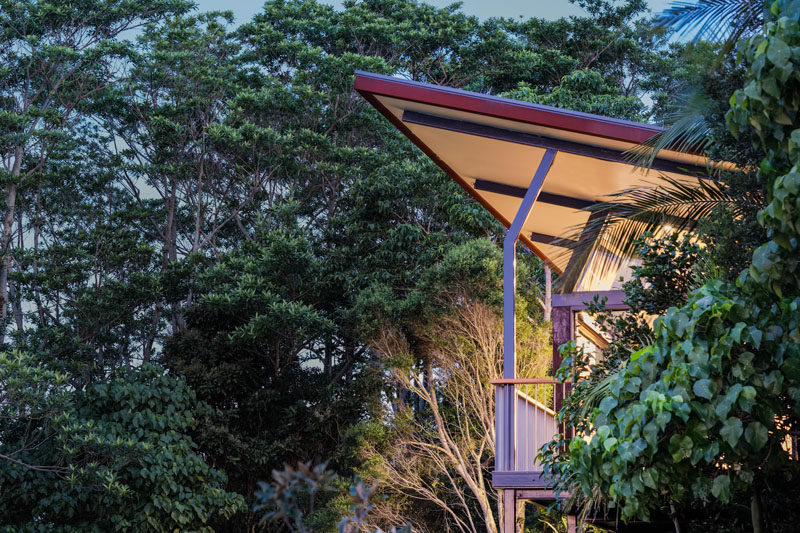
(206,228)
(114,456)
(703,413)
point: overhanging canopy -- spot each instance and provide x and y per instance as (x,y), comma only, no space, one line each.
(492,146)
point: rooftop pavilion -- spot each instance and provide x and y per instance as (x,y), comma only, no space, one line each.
(538,170)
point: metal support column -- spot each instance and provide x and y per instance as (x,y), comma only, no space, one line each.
(505,419)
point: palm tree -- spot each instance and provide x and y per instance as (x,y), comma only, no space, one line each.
(674,206)
(718,21)
(725,21)
(630,213)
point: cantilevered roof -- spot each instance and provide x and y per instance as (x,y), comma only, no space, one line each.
(492,146)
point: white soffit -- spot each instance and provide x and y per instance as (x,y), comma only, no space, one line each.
(582,177)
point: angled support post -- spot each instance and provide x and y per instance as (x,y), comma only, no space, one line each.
(510,265)
(505,418)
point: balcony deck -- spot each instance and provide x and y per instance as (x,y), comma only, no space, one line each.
(526,421)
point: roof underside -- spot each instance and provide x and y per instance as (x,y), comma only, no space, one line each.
(492,146)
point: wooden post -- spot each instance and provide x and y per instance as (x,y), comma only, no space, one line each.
(562,333)
(509,524)
(572,523)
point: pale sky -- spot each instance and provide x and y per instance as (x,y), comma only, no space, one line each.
(243,10)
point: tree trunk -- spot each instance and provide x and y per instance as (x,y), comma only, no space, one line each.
(16,305)
(458,462)
(37,230)
(13,289)
(673,514)
(147,347)
(520,516)
(171,253)
(5,241)
(755,513)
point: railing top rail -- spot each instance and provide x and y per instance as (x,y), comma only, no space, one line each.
(528,381)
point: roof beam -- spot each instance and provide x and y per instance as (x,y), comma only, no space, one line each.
(544,197)
(552,240)
(615,299)
(531,139)
(562,201)
(376,85)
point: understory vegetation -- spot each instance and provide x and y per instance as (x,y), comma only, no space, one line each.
(695,419)
(233,297)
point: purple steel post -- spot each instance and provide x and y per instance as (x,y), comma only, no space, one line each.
(510,265)
(505,417)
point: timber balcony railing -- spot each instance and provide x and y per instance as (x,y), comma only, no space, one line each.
(525,420)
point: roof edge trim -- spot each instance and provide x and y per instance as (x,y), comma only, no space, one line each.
(504,108)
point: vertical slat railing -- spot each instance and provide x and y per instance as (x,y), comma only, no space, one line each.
(525,421)
(504,430)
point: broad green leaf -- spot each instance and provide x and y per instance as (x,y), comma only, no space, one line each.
(607,404)
(736,332)
(731,431)
(778,52)
(680,447)
(648,479)
(609,444)
(756,435)
(721,488)
(705,388)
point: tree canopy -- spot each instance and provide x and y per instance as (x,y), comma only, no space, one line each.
(206,231)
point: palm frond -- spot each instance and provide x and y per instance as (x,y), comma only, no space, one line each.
(714,20)
(674,206)
(597,391)
(689,130)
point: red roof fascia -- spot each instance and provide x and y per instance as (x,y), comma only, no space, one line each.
(585,123)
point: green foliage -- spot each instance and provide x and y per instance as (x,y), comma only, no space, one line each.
(115,456)
(583,90)
(48,72)
(768,104)
(361,495)
(56,58)
(664,278)
(257,350)
(681,419)
(690,104)
(33,396)
(731,231)
(223,203)
(282,499)
(703,412)
(666,275)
